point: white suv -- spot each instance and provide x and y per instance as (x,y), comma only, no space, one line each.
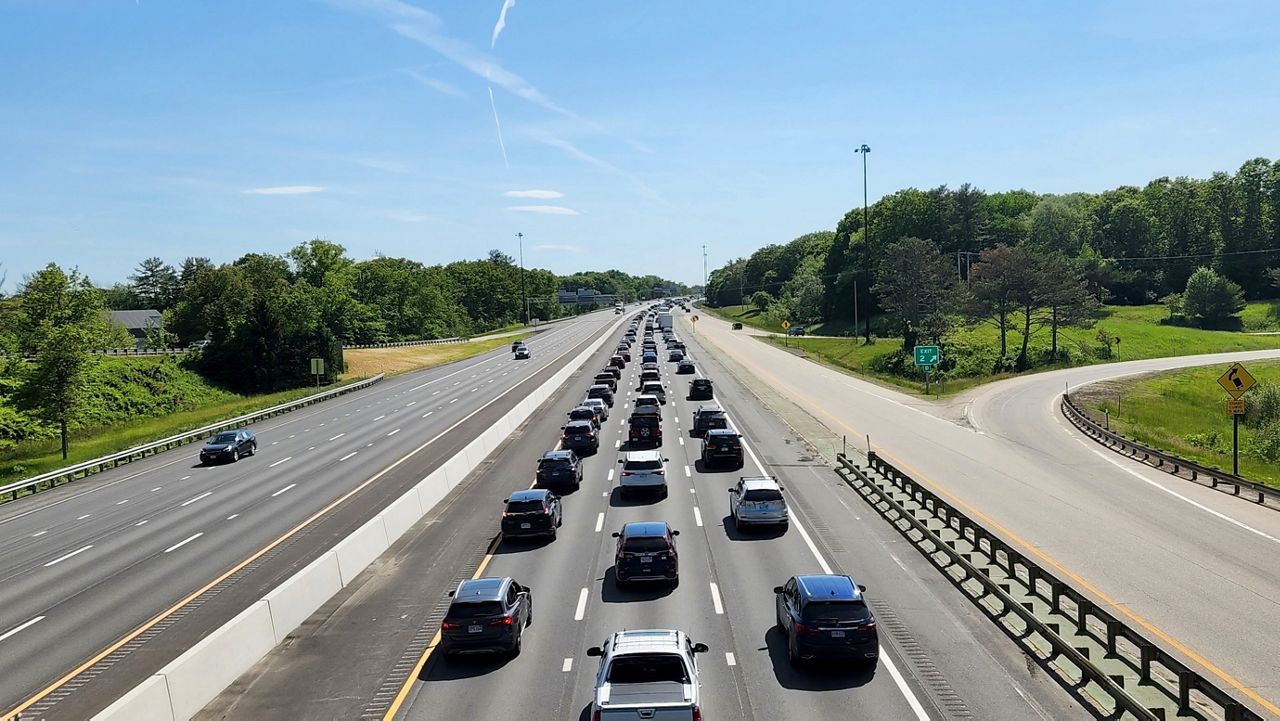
(643,471)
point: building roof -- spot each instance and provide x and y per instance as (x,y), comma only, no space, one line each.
(135,319)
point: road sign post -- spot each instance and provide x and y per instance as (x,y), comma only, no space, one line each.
(1236,382)
(786,326)
(317,369)
(926,357)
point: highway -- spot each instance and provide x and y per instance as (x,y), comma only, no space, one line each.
(1190,567)
(85,564)
(941,657)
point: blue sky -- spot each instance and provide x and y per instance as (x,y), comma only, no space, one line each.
(174,128)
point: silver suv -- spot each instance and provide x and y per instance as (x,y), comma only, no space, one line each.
(643,471)
(758,500)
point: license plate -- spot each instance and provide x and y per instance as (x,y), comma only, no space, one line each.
(525,525)
(837,634)
(646,559)
(475,629)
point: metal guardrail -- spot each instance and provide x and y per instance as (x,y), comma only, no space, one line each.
(142,351)
(1188,470)
(403,343)
(61,476)
(1158,673)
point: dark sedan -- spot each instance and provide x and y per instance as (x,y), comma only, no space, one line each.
(229,446)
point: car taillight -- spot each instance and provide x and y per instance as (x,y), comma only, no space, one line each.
(626,473)
(801,628)
(447,626)
(697,714)
(869,626)
(596,716)
(504,621)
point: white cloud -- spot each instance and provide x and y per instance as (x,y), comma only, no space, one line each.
(502,21)
(439,86)
(557,246)
(543,209)
(286,190)
(534,194)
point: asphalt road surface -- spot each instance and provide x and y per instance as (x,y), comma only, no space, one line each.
(85,564)
(941,657)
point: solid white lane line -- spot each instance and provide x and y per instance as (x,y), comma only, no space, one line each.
(697,516)
(188,502)
(687,474)
(233,516)
(38,619)
(566,668)
(37,534)
(715,600)
(60,559)
(392,433)
(282,460)
(348,455)
(581,610)
(143,522)
(121,503)
(183,542)
(81,518)
(599,521)
(379,418)
(611,475)
(282,490)
(337,436)
(729,659)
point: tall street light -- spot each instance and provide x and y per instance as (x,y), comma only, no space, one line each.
(524,294)
(866,240)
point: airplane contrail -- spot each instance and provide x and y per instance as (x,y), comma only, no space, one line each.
(502,21)
(498,123)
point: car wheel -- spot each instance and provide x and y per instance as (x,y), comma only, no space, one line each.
(792,654)
(253,449)
(235,455)
(552,535)
(515,647)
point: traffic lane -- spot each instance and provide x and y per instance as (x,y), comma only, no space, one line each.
(112,623)
(1048,511)
(964,653)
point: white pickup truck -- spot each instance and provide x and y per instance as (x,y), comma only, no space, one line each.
(649,675)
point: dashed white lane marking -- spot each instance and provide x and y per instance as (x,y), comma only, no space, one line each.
(143,522)
(605,494)
(599,521)
(153,490)
(729,659)
(435,393)
(473,390)
(188,502)
(233,516)
(410,403)
(424,415)
(276,442)
(60,559)
(681,439)
(282,490)
(180,479)
(337,436)
(455,400)
(282,460)
(38,619)
(37,534)
(312,448)
(581,610)
(348,455)
(183,542)
(81,518)
(687,474)
(697,516)
(691,490)
(715,600)
(611,475)
(379,418)
(392,433)
(566,668)
(617,444)
(295,434)
(121,503)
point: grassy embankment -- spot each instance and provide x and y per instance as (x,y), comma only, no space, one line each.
(138,400)
(1184,412)
(975,349)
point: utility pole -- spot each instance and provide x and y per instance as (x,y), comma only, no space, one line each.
(524,293)
(866,235)
(704,268)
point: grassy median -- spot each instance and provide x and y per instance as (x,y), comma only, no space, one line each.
(363,362)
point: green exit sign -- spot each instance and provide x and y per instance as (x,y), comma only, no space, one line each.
(928,355)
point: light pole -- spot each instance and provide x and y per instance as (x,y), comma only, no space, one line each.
(524,294)
(704,268)
(866,239)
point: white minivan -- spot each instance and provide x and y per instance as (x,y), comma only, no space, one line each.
(643,472)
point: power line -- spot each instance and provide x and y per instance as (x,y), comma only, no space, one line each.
(1191,256)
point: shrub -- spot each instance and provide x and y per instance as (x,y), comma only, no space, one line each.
(1212,441)
(1263,406)
(1211,299)
(1265,443)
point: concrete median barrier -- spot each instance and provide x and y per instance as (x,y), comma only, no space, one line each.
(302,593)
(401,514)
(432,488)
(200,674)
(357,551)
(148,701)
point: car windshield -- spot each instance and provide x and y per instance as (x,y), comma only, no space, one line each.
(836,611)
(474,609)
(762,495)
(648,668)
(225,438)
(524,506)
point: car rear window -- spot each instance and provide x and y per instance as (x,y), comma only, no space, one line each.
(475,609)
(576,430)
(645,544)
(717,422)
(653,388)
(643,465)
(836,611)
(554,463)
(645,421)
(524,506)
(760,495)
(648,668)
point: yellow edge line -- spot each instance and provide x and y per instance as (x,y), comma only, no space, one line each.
(1151,628)
(435,641)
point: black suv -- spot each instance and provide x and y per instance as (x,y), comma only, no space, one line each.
(580,436)
(229,446)
(646,552)
(585,413)
(701,389)
(826,616)
(535,512)
(559,468)
(486,615)
(607,379)
(601,391)
(685,367)
(722,445)
(645,427)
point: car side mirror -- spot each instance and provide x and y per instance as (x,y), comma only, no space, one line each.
(595,651)
(675,533)
(861,587)
(451,594)
(617,535)
(777,589)
(733,490)
(666,460)
(700,648)
(506,500)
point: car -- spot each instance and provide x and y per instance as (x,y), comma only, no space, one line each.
(559,469)
(229,446)
(486,615)
(646,551)
(643,472)
(647,674)
(535,512)
(721,445)
(644,400)
(522,353)
(795,330)
(602,410)
(580,436)
(702,414)
(613,372)
(601,391)
(737,326)
(649,376)
(625,355)
(675,355)
(654,388)
(515,345)
(607,379)
(644,427)
(701,389)
(649,358)
(650,367)
(685,367)
(826,616)
(617,361)
(758,501)
(585,412)
(199,344)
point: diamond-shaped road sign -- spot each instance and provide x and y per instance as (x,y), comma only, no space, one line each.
(1236,381)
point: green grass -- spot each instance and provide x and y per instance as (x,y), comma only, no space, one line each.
(1261,317)
(365,362)
(1179,411)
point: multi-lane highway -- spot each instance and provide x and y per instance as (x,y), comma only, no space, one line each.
(87,565)
(1188,566)
(941,657)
